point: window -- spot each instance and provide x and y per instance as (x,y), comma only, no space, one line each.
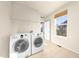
(61,24)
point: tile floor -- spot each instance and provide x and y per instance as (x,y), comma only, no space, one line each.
(51,50)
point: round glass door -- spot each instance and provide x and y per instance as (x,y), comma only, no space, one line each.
(38,42)
(21,46)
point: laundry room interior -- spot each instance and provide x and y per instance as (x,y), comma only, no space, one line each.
(39,29)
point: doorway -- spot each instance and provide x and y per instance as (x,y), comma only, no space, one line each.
(47,30)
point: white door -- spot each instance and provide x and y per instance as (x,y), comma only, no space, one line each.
(47,30)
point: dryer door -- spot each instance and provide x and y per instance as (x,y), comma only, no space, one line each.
(21,45)
(38,42)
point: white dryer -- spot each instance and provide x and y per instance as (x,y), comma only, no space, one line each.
(20,45)
(37,42)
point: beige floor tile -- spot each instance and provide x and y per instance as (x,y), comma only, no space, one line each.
(51,50)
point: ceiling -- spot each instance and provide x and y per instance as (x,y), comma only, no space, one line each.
(44,7)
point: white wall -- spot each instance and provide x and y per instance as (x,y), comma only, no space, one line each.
(72,40)
(5,28)
(24,18)
(73,29)
(15,18)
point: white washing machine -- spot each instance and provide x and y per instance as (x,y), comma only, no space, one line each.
(20,45)
(37,42)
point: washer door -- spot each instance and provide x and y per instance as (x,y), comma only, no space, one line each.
(38,42)
(21,45)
